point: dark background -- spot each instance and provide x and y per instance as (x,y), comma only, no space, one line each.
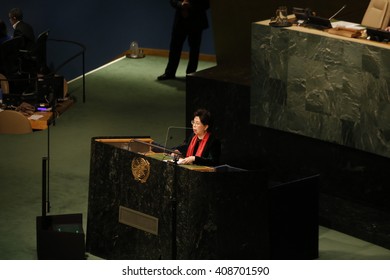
(107,28)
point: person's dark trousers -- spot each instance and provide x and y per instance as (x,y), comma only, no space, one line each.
(177,41)
(194,41)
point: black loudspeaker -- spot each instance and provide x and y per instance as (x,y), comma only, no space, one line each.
(60,237)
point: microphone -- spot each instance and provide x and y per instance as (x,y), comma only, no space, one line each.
(175,137)
(342,8)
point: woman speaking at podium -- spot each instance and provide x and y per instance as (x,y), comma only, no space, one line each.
(202,148)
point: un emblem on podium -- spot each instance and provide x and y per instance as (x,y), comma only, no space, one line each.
(140,168)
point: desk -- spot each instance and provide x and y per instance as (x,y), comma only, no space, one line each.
(321,85)
(48,117)
(42,123)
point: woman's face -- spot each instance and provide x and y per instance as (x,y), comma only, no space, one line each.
(198,127)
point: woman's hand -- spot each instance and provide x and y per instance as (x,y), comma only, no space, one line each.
(176,153)
(187,160)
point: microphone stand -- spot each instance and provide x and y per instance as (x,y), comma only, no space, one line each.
(342,8)
(46,182)
(47,204)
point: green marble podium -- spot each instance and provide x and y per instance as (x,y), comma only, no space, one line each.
(142,207)
(323,86)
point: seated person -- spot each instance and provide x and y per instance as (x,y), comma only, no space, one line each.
(202,148)
(22,28)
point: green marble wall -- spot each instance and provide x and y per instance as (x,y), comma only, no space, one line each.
(321,87)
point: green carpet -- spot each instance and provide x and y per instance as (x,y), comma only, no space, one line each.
(122,99)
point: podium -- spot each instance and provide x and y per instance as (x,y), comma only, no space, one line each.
(143,206)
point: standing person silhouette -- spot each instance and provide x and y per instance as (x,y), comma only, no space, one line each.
(189,22)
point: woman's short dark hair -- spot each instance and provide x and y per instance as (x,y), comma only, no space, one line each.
(205,117)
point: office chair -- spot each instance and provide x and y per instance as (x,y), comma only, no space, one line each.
(10,56)
(11,66)
(34,61)
(4,85)
(21,67)
(12,122)
(377,14)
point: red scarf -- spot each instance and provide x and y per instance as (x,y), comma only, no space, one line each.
(202,144)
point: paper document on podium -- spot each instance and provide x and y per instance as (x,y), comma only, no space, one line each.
(347,24)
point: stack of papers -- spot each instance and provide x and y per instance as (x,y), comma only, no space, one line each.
(347,24)
(35,117)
